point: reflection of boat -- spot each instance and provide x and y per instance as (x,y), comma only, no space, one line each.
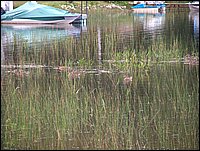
(39,32)
(148,6)
(194,17)
(194,6)
(34,13)
(2,61)
(150,22)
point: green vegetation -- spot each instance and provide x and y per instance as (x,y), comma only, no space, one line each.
(92,3)
(75,6)
(53,111)
(74,100)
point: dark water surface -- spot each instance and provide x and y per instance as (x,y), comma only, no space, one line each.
(121,81)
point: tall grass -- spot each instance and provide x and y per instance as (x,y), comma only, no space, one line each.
(100,112)
(50,109)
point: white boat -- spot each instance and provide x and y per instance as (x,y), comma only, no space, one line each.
(148,7)
(66,20)
(34,13)
(194,6)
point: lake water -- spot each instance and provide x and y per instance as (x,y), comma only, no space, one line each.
(120,81)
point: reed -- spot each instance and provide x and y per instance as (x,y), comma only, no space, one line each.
(76,97)
(90,113)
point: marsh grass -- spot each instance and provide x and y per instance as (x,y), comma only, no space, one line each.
(47,109)
(97,112)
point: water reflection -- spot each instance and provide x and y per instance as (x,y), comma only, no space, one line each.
(149,27)
(151,21)
(42,32)
(2,58)
(194,17)
(16,37)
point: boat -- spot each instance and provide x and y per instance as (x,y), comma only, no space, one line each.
(34,13)
(194,6)
(148,6)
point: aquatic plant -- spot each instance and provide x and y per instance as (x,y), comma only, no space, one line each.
(126,95)
(128,60)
